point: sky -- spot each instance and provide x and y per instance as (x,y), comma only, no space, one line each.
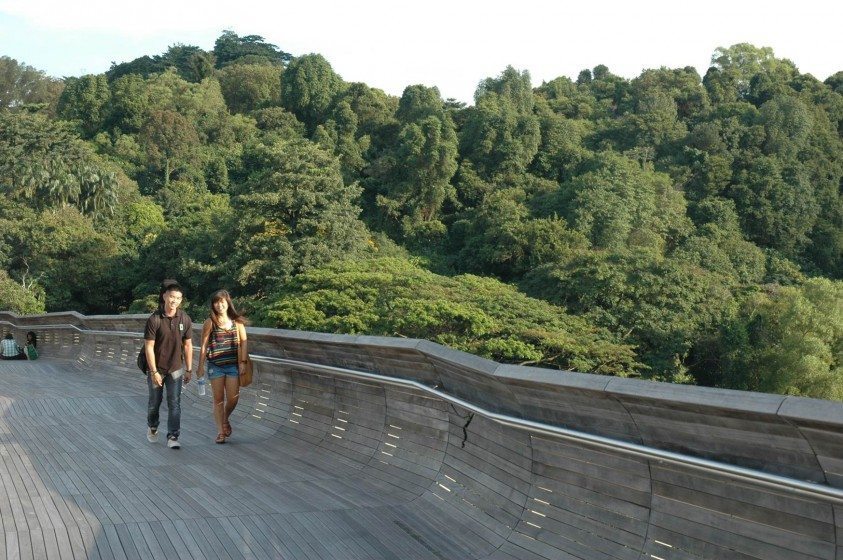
(450,44)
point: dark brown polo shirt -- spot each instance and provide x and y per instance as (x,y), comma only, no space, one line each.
(169,334)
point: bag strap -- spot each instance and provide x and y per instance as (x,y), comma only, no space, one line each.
(237,334)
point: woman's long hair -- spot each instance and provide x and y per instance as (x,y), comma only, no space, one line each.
(33,338)
(233,314)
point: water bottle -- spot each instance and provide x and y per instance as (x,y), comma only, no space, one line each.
(200,384)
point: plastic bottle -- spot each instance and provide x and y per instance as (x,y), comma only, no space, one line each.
(200,385)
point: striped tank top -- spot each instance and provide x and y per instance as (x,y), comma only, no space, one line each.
(222,345)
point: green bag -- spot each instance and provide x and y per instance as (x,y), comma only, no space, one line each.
(31,352)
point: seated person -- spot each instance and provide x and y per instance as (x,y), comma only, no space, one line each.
(31,347)
(11,350)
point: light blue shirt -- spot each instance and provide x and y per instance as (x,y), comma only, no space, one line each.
(10,348)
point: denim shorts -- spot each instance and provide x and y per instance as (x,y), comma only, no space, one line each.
(229,370)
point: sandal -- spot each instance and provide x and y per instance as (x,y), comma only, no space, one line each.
(226,429)
(220,438)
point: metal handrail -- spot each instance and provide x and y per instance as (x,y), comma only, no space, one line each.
(804,488)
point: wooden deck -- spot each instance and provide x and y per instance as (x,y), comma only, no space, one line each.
(80,480)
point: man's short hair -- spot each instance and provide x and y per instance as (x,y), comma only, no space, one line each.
(166,286)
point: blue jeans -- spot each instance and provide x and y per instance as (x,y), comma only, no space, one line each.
(173,403)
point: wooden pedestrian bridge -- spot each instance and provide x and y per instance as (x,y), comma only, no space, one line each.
(356,447)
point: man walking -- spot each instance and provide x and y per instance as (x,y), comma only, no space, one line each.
(168,343)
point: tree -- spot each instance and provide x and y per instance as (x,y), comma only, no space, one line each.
(43,162)
(375,111)
(682,85)
(561,149)
(230,48)
(85,101)
(733,68)
(247,87)
(393,297)
(567,99)
(788,340)
(418,102)
(835,82)
(655,123)
(201,104)
(660,306)
(788,125)
(143,66)
(129,103)
(339,136)
(22,85)
(169,139)
(18,299)
(277,121)
(192,63)
(188,235)
(425,160)
(776,202)
(500,237)
(294,213)
(72,260)
(308,87)
(607,89)
(501,134)
(618,204)
(719,247)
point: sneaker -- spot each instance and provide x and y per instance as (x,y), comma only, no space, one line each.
(173,442)
(152,434)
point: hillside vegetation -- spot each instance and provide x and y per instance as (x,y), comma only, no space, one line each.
(673,226)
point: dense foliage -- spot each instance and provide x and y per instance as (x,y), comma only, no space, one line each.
(673,226)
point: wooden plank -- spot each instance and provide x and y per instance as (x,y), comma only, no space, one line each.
(234,549)
(39,548)
(182,540)
(664,543)
(95,547)
(51,544)
(18,546)
(127,542)
(352,530)
(204,538)
(113,540)
(77,545)
(286,532)
(252,545)
(279,548)
(750,538)
(379,526)
(749,512)
(158,540)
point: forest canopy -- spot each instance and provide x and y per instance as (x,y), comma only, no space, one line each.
(673,226)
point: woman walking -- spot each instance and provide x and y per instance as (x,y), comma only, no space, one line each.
(224,346)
